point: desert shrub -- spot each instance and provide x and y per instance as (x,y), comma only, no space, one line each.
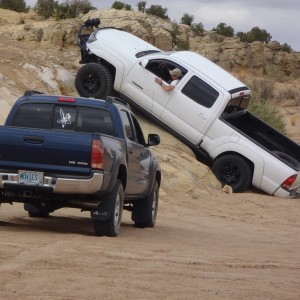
(66,10)
(287,48)
(187,19)
(142,6)
(269,113)
(45,8)
(255,34)
(183,45)
(176,40)
(121,5)
(223,29)
(15,5)
(197,28)
(289,93)
(276,73)
(263,89)
(158,10)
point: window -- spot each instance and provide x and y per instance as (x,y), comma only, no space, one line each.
(139,132)
(94,120)
(59,117)
(64,117)
(200,92)
(127,125)
(34,115)
(161,68)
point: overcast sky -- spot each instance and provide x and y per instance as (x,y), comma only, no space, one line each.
(280,18)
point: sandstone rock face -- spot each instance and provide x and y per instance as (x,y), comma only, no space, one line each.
(257,58)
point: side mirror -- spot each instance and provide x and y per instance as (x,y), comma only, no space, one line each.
(144,63)
(153,139)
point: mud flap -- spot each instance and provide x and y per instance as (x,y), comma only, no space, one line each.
(104,211)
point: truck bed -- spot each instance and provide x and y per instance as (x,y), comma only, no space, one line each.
(267,137)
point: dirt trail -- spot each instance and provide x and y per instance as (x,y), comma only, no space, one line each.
(222,246)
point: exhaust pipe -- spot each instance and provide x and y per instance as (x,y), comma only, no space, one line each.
(88,205)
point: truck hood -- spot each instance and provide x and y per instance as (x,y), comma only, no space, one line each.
(123,44)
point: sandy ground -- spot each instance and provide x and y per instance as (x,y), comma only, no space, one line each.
(207,244)
(238,246)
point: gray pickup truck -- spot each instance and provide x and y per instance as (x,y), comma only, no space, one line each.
(58,151)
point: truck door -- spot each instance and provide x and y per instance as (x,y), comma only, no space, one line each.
(190,108)
(138,156)
(140,87)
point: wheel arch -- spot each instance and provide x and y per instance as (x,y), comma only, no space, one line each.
(256,163)
(116,68)
(122,175)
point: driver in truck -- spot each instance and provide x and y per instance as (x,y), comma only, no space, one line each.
(175,75)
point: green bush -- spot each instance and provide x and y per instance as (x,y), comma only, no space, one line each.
(197,28)
(45,8)
(287,48)
(158,10)
(66,10)
(255,34)
(15,5)
(142,6)
(269,113)
(223,29)
(187,19)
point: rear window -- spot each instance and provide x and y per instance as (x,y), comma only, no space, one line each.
(60,117)
(34,115)
(94,120)
(200,92)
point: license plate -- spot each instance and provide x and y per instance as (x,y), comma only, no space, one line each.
(29,177)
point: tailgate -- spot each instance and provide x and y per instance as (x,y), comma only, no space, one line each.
(60,152)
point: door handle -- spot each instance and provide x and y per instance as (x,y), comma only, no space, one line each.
(201,115)
(33,139)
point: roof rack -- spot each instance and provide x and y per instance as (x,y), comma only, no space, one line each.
(111,100)
(31,92)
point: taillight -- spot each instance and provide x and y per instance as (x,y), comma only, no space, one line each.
(97,159)
(66,99)
(288,182)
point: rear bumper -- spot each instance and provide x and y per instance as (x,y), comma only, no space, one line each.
(292,194)
(57,185)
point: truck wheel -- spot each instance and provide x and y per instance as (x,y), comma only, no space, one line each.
(234,171)
(144,211)
(93,80)
(111,226)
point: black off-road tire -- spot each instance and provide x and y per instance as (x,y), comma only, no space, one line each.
(144,211)
(234,171)
(111,226)
(94,80)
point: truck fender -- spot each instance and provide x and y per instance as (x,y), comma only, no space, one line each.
(118,65)
(154,174)
(257,161)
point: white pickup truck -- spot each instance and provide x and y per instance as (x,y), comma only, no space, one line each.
(207,109)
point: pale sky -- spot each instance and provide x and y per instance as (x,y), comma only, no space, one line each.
(280,18)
